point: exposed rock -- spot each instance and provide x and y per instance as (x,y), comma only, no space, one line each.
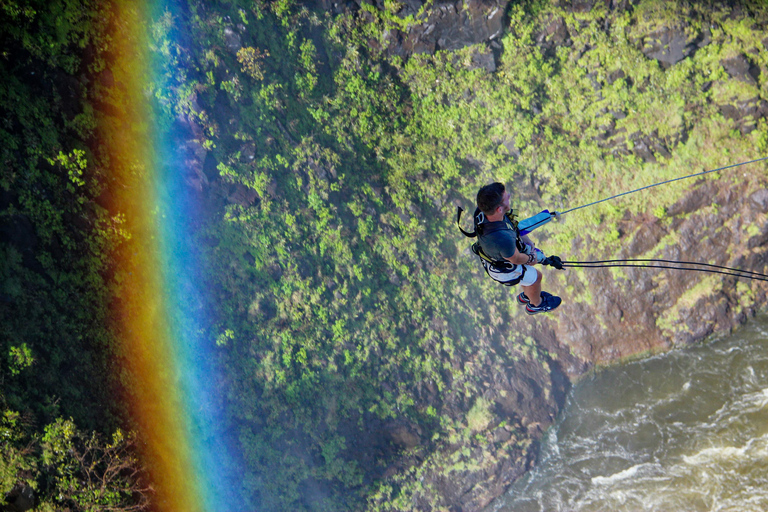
(449,26)
(646,295)
(554,35)
(585,5)
(417,41)
(484,60)
(668,45)
(622,5)
(616,75)
(20,499)
(740,68)
(645,147)
(760,199)
(242,195)
(248,151)
(403,436)
(746,113)
(232,39)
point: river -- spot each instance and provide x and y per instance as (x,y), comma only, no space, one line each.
(684,431)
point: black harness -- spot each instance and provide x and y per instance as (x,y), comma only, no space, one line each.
(483,227)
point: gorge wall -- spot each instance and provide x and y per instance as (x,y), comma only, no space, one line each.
(618,94)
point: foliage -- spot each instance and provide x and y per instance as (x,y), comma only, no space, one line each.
(56,232)
(347,305)
(16,462)
(251,59)
(89,473)
(344,290)
(56,238)
(70,469)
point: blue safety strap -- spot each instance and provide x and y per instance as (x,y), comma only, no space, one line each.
(538,220)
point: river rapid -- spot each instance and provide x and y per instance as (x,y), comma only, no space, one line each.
(684,431)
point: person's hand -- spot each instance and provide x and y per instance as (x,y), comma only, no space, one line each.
(553,261)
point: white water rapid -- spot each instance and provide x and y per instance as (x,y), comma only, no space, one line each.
(685,431)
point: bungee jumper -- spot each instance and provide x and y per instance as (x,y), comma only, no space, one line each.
(508,255)
(505,251)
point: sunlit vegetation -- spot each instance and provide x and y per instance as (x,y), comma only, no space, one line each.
(357,330)
(344,285)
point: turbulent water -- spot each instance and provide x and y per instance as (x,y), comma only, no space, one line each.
(686,431)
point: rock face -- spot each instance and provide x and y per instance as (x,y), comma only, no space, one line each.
(449,26)
(526,392)
(670,45)
(526,397)
(635,305)
(740,68)
(633,309)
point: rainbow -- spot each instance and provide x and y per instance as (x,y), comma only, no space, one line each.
(160,314)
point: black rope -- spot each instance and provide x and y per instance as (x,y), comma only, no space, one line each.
(728,271)
(590,263)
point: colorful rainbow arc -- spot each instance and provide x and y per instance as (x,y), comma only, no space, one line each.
(162,316)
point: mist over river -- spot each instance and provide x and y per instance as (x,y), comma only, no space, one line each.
(684,431)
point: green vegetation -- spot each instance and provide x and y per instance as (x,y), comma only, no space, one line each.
(344,286)
(359,334)
(56,234)
(69,469)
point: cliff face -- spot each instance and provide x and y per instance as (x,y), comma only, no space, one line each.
(372,365)
(609,315)
(443,407)
(647,310)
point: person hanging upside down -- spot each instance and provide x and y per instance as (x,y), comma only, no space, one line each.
(505,250)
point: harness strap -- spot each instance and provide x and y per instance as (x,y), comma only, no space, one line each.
(458,222)
(489,264)
(499,266)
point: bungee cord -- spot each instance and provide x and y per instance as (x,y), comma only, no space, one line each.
(662,183)
(599,262)
(651,263)
(667,264)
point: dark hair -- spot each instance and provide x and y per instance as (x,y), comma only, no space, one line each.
(490,197)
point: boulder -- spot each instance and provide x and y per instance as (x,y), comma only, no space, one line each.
(668,45)
(449,26)
(740,68)
(484,59)
(760,199)
(232,40)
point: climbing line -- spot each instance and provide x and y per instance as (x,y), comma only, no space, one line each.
(646,263)
(599,262)
(662,183)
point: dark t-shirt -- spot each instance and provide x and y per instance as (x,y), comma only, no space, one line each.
(498,239)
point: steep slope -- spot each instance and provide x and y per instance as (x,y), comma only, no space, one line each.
(373,364)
